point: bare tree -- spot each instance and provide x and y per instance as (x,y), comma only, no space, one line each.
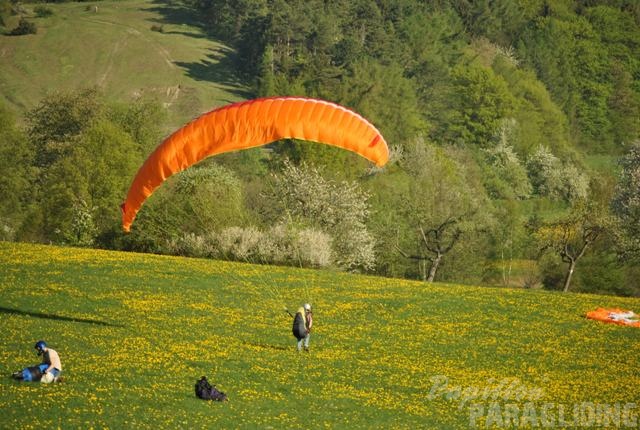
(435,243)
(441,204)
(570,237)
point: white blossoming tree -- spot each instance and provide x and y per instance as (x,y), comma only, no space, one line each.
(302,196)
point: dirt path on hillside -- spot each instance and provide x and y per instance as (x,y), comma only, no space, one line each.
(130,31)
(112,55)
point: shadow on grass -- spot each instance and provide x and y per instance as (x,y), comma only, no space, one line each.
(177,13)
(10,311)
(218,66)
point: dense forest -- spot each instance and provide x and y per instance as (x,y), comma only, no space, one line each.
(514,129)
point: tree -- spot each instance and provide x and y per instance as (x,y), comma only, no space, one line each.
(225,18)
(550,177)
(5,11)
(443,203)
(82,231)
(386,97)
(429,53)
(481,100)
(626,204)
(85,152)
(499,20)
(82,191)
(191,206)
(509,243)
(435,243)
(570,58)
(24,27)
(140,119)
(16,158)
(57,120)
(537,118)
(511,180)
(624,106)
(619,32)
(301,196)
(571,236)
(208,198)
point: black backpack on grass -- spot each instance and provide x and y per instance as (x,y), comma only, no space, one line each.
(205,391)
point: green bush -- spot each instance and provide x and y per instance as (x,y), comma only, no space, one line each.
(24,27)
(42,11)
(552,271)
(601,274)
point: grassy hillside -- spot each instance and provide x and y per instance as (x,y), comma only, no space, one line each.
(110,44)
(135,332)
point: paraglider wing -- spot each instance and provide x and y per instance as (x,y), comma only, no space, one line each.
(615,316)
(248,124)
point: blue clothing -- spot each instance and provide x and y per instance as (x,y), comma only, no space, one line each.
(28,375)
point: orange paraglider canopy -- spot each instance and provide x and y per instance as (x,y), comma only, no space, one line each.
(248,124)
(615,316)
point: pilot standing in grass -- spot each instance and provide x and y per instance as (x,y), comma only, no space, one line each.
(302,323)
(50,357)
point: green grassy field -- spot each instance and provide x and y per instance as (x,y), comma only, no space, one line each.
(110,44)
(135,332)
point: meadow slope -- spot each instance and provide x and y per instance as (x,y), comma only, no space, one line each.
(135,332)
(110,45)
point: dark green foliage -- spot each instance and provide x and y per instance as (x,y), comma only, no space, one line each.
(586,55)
(42,11)
(58,119)
(537,118)
(601,273)
(626,204)
(586,61)
(16,159)
(481,99)
(505,97)
(5,11)
(386,97)
(24,27)
(225,18)
(141,120)
(85,153)
(571,60)
(624,105)
(90,181)
(501,21)
(551,272)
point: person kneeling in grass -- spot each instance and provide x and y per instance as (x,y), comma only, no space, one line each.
(52,359)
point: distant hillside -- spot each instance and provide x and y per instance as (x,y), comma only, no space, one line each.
(506,122)
(112,45)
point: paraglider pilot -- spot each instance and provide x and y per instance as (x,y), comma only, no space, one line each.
(302,323)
